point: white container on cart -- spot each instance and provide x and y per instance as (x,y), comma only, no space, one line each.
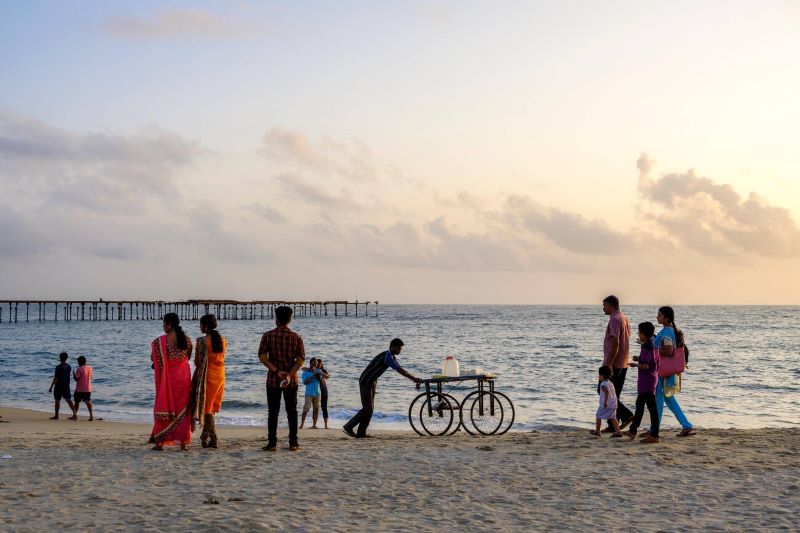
(450,367)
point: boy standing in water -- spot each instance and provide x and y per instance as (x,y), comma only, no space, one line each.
(83,387)
(61,384)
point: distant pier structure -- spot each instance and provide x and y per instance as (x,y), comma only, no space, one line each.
(97,310)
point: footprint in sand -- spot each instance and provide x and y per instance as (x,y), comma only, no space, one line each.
(485,448)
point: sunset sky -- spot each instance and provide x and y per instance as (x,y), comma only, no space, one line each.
(407,152)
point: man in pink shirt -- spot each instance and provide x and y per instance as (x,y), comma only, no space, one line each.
(83,387)
(616,353)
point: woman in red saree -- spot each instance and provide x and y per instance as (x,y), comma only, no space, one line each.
(173,378)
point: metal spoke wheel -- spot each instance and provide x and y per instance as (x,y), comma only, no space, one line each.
(436,414)
(457,414)
(431,413)
(466,403)
(486,413)
(508,412)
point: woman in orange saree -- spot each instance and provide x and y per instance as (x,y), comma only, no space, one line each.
(172,422)
(209,379)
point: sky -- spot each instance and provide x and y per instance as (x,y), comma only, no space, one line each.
(405,152)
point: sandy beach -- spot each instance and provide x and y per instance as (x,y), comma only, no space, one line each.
(103,476)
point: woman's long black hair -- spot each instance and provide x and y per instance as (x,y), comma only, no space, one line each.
(210,322)
(173,320)
(669,314)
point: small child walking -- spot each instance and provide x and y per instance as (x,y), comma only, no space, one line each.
(646,384)
(61,384)
(83,387)
(607,408)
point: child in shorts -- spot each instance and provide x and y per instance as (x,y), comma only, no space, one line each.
(607,409)
(312,378)
(61,384)
(83,387)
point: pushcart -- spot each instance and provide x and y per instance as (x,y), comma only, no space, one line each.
(482,411)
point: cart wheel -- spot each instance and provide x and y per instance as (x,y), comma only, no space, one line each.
(457,417)
(413,413)
(436,414)
(466,423)
(486,413)
(508,412)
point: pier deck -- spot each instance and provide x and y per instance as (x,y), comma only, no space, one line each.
(97,310)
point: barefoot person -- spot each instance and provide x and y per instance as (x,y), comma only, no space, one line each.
(616,352)
(607,406)
(208,381)
(61,385)
(312,379)
(172,418)
(323,385)
(368,383)
(83,387)
(282,352)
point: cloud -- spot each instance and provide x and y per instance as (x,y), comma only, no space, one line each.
(175,23)
(713,219)
(568,230)
(214,238)
(352,161)
(102,171)
(21,237)
(309,193)
(266,212)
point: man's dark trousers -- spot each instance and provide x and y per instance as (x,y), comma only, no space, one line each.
(274,407)
(618,379)
(363,417)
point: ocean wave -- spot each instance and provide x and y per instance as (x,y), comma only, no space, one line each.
(243,404)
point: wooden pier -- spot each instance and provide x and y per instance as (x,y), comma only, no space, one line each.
(101,310)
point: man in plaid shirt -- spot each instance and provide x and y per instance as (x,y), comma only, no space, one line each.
(282,352)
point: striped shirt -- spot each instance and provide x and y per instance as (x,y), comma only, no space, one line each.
(377,367)
(284,349)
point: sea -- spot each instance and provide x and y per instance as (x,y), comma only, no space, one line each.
(743,368)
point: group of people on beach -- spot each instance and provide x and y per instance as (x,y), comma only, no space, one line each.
(654,386)
(183,399)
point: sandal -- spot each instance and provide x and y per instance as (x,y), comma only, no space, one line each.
(616,435)
(595,433)
(158,448)
(631,435)
(687,432)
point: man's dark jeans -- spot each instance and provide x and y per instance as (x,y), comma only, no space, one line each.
(363,417)
(274,407)
(618,379)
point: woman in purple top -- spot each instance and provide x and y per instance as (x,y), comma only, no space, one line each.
(646,382)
